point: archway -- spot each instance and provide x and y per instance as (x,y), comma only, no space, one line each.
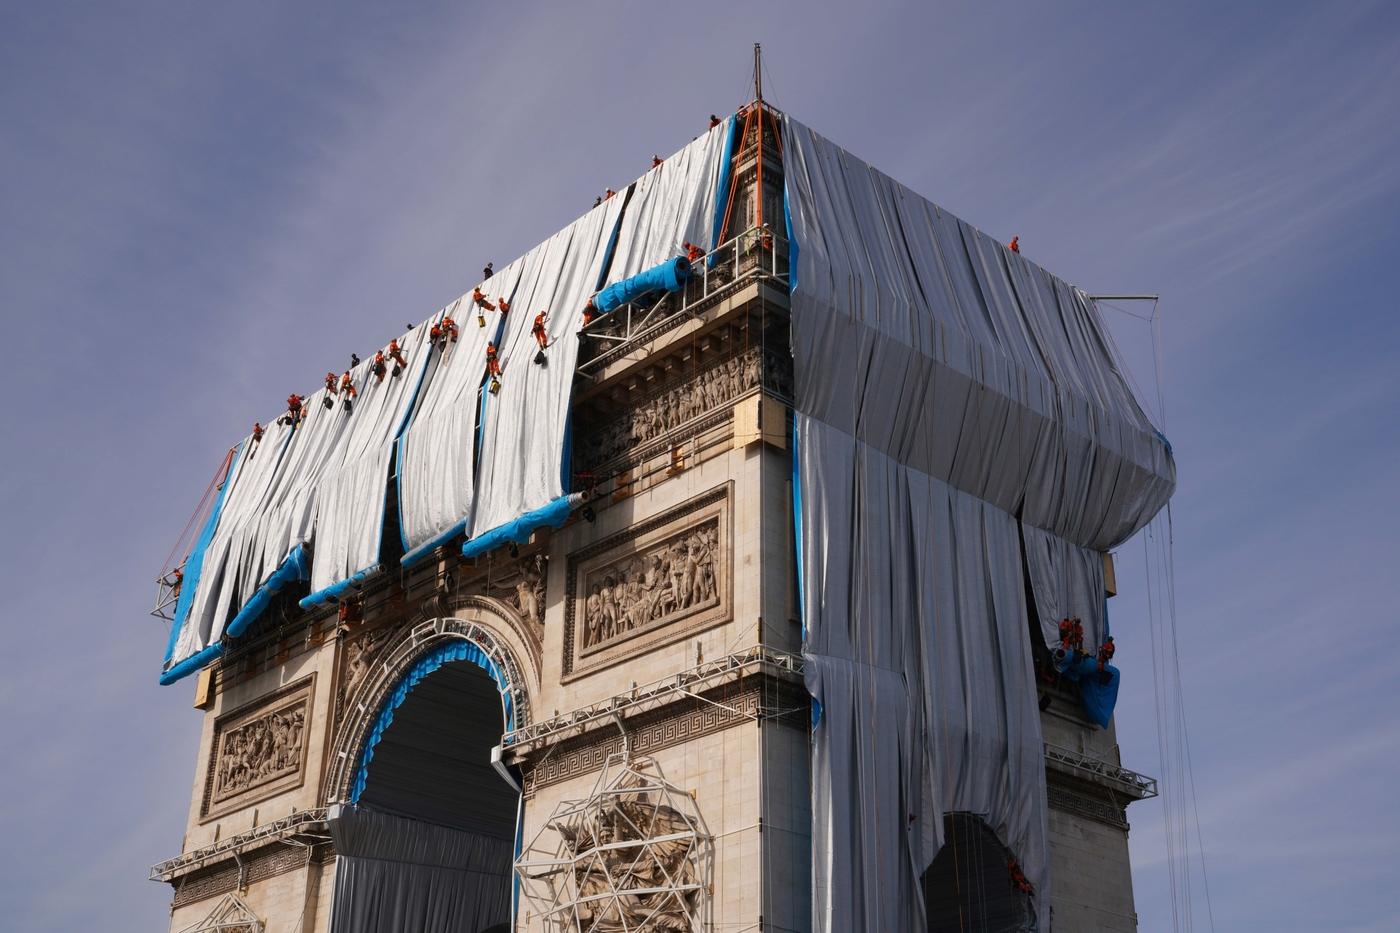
(428,834)
(970,886)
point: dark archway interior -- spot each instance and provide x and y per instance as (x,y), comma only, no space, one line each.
(433,763)
(968,886)
(428,846)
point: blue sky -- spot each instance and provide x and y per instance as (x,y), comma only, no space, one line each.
(206,206)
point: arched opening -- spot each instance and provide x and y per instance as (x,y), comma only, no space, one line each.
(429,837)
(969,885)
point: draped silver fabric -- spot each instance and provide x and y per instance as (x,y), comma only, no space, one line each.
(944,387)
(398,875)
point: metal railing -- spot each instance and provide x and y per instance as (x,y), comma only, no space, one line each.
(687,682)
(757,254)
(1138,786)
(304,827)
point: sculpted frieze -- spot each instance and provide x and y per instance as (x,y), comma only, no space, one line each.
(259,751)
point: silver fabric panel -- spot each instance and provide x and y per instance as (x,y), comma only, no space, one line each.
(671,205)
(930,712)
(943,385)
(350,501)
(522,445)
(1067,581)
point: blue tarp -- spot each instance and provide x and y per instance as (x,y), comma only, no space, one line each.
(553,515)
(294,568)
(669,276)
(722,194)
(337,589)
(462,650)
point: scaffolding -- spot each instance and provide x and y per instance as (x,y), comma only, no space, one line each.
(756,255)
(633,855)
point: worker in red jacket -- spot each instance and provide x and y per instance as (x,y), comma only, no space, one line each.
(348,391)
(493,368)
(541,335)
(396,354)
(295,410)
(1014,245)
(380,366)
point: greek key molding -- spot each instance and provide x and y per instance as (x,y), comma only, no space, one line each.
(258,750)
(662,580)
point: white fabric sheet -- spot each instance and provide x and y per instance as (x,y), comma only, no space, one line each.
(943,386)
(523,440)
(671,205)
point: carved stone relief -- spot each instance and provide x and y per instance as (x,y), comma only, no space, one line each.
(523,585)
(672,407)
(259,751)
(661,580)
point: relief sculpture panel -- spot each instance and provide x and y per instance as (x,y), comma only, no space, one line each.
(667,578)
(259,751)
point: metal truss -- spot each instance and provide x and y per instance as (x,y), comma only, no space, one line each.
(302,828)
(1130,783)
(752,256)
(757,659)
(231,915)
(635,855)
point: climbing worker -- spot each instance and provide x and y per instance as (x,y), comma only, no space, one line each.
(449,331)
(693,253)
(1014,245)
(487,272)
(257,432)
(714,121)
(1105,653)
(396,354)
(435,333)
(598,200)
(1019,881)
(354,360)
(326,401)
(590,311)
(502,305)
(656,160)
(1066,633)
(493,368)
(541,335)
(1077,638)
(295,411)
(348,391)
(482,305)
(608,193)
(380,366)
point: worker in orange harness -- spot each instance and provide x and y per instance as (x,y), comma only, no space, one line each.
(326,400)
(1066,633)
(693,253)
(257,433)
(608,193)
(1014,245)
(1105,655)
(1019,881)
(295,411)
(396,354)
(656,160)
(503,305)
(380,366)
(348,392)
(442,332)
(1076,639)
(493,368)
(590,311)
(541,336)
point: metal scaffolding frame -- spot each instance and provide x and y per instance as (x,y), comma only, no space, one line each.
(1129,783)
(231,915)
(691,682)
(755,255)
(634,855)
(303,828)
